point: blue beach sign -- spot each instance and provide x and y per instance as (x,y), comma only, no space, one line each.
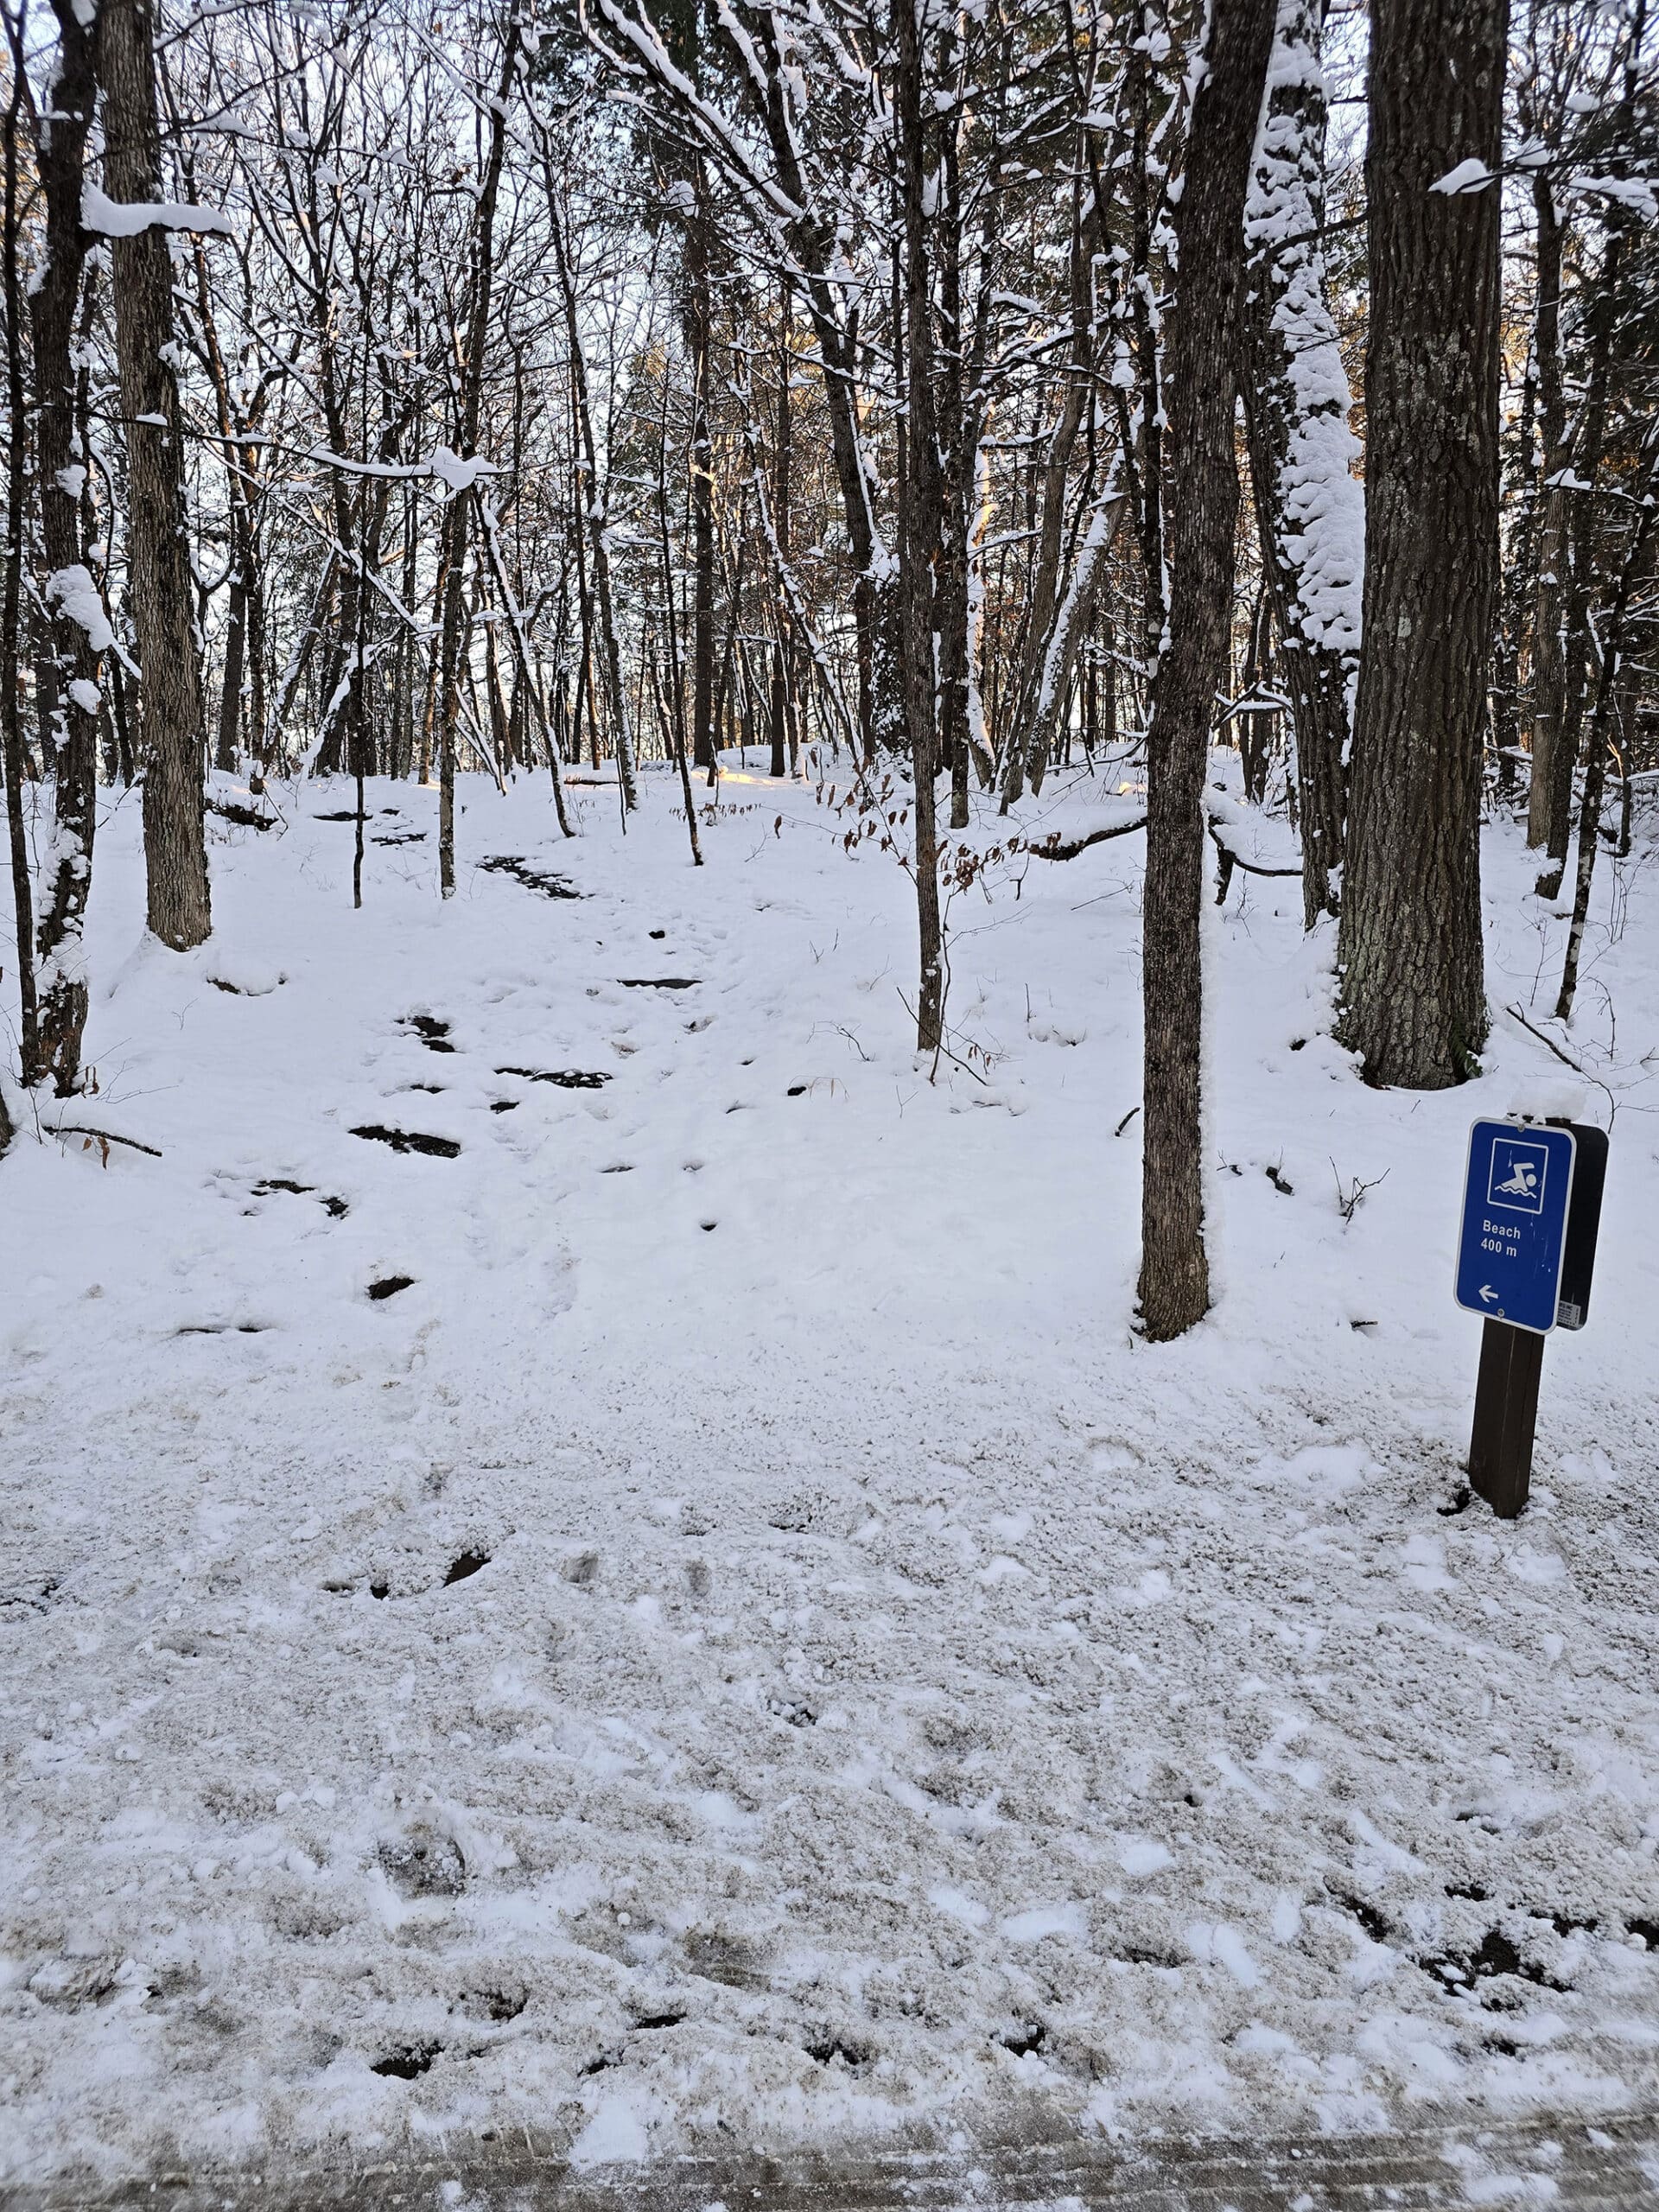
(1513,1241)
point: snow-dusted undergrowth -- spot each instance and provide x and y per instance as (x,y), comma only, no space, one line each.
(744,1646)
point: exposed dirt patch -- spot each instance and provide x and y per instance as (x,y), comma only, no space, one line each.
(389,1285)
(410,1141)
(432,1033)
(566,1078)
(532,877)
(407,2063)
(1494,1956)
(832,2050)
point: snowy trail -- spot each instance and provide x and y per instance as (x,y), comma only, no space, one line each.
(746,1647)
(1566,2164)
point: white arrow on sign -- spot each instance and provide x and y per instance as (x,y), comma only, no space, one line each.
(1487,1293)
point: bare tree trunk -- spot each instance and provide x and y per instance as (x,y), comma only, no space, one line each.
(1148,362)
(1410,948)
(958,446)
(71,710)
(699,336)
(674,723)
(528,693)
(244,638)
(11,728)
(781,672)
(918,542)
(176,852)
(589,496)
(1202,385)
(457,629)
(1633,571)
(1548,671)
(1580,530)
(1036,701)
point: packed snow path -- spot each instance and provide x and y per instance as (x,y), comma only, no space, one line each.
(1571,2166)
(588,1550)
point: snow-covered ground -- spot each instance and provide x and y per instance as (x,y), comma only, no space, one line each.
(891,1691)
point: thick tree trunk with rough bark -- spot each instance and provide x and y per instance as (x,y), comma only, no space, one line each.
(163,591)
(1201,388)
(77,621)
(1410,949)
(1310,512)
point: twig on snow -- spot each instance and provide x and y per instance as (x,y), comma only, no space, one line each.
(104,1136)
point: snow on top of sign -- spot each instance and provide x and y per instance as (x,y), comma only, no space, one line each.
(1545,1098)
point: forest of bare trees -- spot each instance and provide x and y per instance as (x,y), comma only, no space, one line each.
(920,399)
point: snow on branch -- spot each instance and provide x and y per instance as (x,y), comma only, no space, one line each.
(125,219)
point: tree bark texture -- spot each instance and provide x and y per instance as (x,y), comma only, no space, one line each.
(1548,671)
(920,534)
(11,728)
(71,710)
(1201,388)
(1414,1003)
(175,853)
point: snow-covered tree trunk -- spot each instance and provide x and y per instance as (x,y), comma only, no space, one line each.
(162,589)
(78,630)
(1310,510)
(1202,363)
(1410,947)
